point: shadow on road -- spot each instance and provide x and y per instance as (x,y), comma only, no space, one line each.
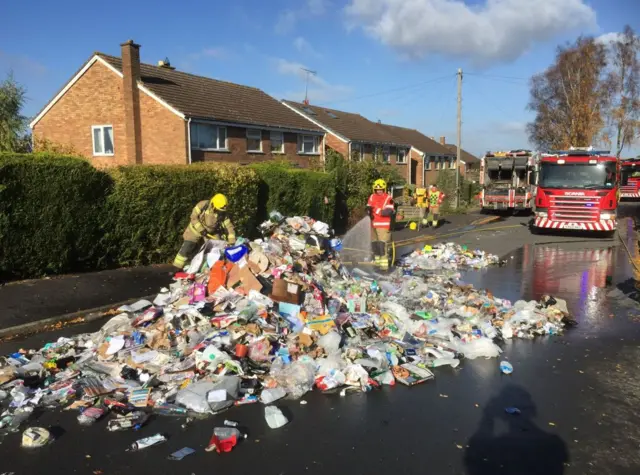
(520,449)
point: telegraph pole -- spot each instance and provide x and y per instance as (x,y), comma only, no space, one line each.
(459,141)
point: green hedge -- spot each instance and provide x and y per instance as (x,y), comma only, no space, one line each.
(468,190)
(60,214)
(293,191)
(150,206)
(51,211)
(353,186)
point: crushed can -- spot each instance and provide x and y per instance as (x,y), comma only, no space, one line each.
(147,442)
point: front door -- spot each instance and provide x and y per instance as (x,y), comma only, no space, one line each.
(414,171)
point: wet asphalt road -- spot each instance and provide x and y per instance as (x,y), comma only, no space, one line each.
(578,395)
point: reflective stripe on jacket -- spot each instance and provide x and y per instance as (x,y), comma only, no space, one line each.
(378,203)
(205,221)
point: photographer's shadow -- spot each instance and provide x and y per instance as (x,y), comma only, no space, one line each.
(521,447)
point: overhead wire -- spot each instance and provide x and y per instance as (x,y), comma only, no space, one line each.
(388,91)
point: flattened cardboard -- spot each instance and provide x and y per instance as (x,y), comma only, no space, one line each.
(284,291)
(242,280)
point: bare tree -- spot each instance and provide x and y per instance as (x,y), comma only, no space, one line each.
(624,84)
(570,97)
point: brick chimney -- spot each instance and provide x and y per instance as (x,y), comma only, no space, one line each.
(132,125)
(442,140)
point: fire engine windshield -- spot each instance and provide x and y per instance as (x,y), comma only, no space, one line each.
(578,175)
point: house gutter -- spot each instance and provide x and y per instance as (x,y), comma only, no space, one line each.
(189,140)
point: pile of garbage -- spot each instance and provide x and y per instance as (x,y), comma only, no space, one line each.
(265,320)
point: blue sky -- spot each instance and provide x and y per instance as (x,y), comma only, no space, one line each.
(393,60)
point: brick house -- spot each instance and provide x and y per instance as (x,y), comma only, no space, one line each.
(469,164)
(357,138)
(116,111)
(428,156)
(417,157)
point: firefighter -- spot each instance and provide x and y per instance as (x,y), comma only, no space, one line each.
(380,205)
(422,204)
(435,200)
(208,220)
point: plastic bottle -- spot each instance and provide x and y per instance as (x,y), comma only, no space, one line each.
(224,439)
(274,417)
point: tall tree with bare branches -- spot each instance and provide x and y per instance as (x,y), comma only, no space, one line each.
(624,84)
(570,98)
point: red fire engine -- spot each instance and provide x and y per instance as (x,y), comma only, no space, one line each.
(508,180)
(577,190)
(630,178)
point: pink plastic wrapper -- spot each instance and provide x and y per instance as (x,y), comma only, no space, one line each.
(197,293)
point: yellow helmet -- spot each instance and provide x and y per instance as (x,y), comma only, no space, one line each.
(413,226)
(219,202)
(379,184)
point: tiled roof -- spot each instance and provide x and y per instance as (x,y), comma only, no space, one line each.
(417,140)
(348,125)
(464,155)
(206,98)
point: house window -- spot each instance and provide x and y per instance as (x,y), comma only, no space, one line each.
(208,137)
(377,153)
(308,144)
(402,156)
(277,142)
(102,136)
(438,163)
(254,140)
(452,164)
(356,152)
(429,162)
(385,154)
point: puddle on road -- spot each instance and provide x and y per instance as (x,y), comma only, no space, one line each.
(577,272)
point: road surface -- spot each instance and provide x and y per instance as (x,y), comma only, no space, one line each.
(578,394)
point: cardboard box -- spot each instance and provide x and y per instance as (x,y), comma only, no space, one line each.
(287,292)
(242,280)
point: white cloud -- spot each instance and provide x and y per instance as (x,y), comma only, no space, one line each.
(303,46)
(497,30)
(212,52)
(320,90)
(317,7)
(191,59)
(608,38)
(287,19)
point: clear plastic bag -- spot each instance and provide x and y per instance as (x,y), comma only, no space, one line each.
(296,378)
(194,396)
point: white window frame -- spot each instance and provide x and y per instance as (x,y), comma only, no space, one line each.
(254,134)
(357,147)
(194,137)
(377,153)
(430,160)
(404,159)
(93,140)
(386,154)
(452,164)
(281,138)
(438,163)
(302,139)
